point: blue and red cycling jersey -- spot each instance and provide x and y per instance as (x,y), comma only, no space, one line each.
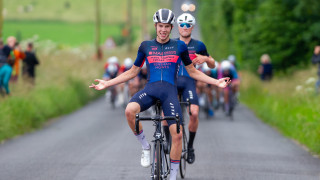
(163,60)
(194,47)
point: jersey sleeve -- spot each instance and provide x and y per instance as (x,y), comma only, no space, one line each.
(184,54)
(140,56)
(203,49)
(234,74)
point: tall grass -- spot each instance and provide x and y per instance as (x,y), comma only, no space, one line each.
(62,81)
(61,32)
(288,103)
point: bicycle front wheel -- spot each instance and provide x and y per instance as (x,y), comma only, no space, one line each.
(158,162)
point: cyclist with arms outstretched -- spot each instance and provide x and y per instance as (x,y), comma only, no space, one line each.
(162,57)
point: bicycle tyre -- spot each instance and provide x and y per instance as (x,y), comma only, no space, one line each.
(231,104)
(159,161)
(183,160)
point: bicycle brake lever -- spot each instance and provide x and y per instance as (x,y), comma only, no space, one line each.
(178,123)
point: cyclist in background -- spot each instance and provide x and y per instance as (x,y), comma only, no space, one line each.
(186,84)
(163,57)
(112,60)
(110,73)
(130,87)
(228,70)
(213,98)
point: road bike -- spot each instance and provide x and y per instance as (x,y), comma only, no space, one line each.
(160,165)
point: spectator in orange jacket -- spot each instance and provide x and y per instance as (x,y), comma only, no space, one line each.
(19,55)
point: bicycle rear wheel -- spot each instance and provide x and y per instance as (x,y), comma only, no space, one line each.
(183,160)
(157,172)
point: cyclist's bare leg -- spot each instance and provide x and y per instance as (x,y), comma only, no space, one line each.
(209,94)
(226,99)
(176,149)
(194,119)
(131,110)
(217,94)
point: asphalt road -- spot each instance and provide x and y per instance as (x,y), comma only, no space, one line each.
(95,143)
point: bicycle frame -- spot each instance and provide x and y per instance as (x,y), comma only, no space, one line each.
(158,139)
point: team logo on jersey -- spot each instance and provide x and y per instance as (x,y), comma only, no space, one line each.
(166,48)
(154,48)
(163,59)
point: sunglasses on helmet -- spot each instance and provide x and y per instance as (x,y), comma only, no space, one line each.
(185,24)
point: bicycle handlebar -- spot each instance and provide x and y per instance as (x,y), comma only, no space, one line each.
(159,119)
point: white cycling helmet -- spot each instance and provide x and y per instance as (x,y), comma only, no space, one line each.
(216,63)
(112,68)
(225,65)
(232,58)
(205,67)
(128,62)
(186,18)
(113,60)
(164,16)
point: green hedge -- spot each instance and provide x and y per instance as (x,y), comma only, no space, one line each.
(287,30)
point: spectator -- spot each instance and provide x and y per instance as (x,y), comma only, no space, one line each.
(8,48)
(19,55)
(29,63)
(3,56)
(316,60)
(265,68)
(5,75)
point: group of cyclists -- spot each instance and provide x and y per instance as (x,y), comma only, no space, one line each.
(120,94)
(168,68)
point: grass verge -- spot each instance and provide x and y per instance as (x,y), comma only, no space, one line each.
(288,103)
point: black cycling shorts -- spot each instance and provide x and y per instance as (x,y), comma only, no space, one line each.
(163,91)
(187,87)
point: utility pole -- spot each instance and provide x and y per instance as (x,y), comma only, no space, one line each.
(1,18)
(144,20)
(129,28)
(97,35)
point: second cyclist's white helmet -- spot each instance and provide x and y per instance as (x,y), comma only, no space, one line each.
(164,16)
(113,60)
(186,18)
(225,65)
(205,67)
(128,62)
(216,63)
(112,68)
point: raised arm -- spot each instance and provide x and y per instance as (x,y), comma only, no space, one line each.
(202,58)
(200,76)
(126,76)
